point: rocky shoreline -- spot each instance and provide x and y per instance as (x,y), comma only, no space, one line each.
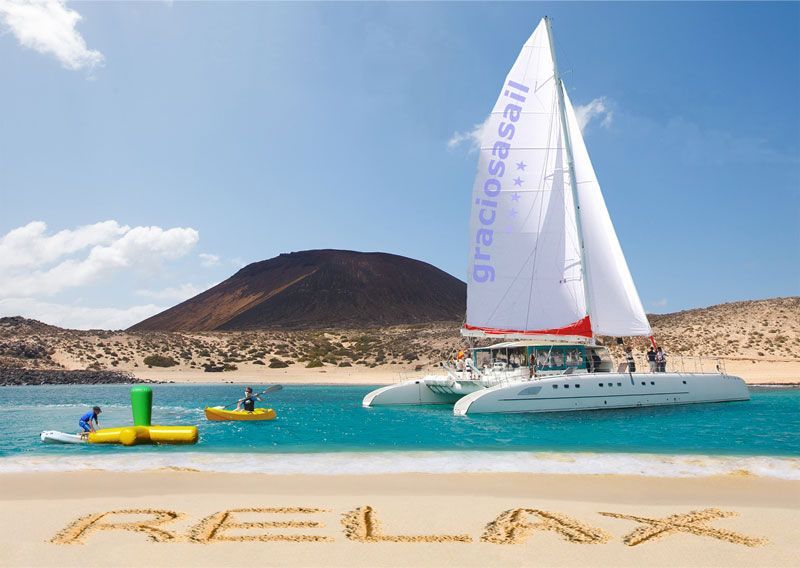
(15,376)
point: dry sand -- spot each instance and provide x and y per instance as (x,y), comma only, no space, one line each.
(170,518)
(293,375)
(753,372)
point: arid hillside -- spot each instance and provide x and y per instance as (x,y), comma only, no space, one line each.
(320,289)
(762,332)
(757,329)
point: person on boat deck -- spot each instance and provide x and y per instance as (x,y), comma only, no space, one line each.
(661,361)
(248,403)
(595,362)
(85,421)
(630,361)
(651,359)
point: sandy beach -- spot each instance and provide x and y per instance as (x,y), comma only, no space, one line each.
(179,518)
(753,372)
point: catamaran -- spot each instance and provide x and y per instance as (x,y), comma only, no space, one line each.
(546,273)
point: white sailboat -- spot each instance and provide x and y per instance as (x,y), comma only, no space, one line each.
(546,272)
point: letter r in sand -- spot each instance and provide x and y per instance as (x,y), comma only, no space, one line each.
(80,529)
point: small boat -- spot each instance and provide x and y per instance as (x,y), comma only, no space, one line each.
(219,413)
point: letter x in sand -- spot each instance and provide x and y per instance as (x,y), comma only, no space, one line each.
(693,522)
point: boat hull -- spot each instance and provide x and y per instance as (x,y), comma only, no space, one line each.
(429,390)
(602,391)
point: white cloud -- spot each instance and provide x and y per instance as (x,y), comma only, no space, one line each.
(35,263)
(115,248)
(471,138)
(176,293)
(48,27)
(29,246)
(598,109)
(208,260)
(238,262)
(76,316)
(660,303)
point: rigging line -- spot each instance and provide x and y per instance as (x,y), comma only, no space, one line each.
(575,247)
(527,65)
(539,221)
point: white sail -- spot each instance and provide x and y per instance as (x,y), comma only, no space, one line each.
(525,267)
(615,305)
(524,261)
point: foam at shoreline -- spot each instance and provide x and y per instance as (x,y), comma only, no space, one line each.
(374,463)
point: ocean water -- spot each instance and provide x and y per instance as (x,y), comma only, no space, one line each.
(324,429)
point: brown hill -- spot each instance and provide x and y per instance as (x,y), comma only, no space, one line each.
(320,289)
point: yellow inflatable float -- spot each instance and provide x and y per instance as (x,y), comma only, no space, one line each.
(132,435)
(142,432)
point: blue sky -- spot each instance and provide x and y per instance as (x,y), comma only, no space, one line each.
(210,135)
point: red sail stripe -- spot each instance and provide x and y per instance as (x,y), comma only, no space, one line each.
(582,327)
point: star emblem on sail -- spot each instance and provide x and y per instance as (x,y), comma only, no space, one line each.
(544,258)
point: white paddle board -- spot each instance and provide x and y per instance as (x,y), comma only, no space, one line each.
(56,437)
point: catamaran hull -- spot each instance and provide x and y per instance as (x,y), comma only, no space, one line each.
(601,391)
(562,393)
(415,392)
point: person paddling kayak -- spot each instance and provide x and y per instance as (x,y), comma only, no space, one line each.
(248,403)
(85,421)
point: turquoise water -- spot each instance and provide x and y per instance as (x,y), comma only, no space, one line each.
(330,419)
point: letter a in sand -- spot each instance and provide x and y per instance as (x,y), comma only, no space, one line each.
(513,527)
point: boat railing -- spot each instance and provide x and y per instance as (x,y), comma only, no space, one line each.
(704,365)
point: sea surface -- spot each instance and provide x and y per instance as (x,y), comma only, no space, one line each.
(324,430)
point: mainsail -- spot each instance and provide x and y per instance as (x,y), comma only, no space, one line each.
(527,274)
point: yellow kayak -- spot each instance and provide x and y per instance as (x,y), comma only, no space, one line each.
(219,413)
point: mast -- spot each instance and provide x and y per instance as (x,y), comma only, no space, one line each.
(573,182)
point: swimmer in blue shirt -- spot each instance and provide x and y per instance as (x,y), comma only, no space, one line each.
(85,421)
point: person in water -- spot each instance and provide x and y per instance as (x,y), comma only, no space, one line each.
(248,403)
(85,421)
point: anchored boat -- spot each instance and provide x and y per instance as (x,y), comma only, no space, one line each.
(546,272)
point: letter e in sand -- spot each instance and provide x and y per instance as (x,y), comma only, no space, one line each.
(214,527)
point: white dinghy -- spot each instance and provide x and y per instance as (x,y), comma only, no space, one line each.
(546,272)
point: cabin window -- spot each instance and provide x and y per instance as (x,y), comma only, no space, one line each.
(652,382)
(644,384)
(619,384)
(601,384)
(577,386)
(555,386)
(684,382)
(566,386)
(557,357)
